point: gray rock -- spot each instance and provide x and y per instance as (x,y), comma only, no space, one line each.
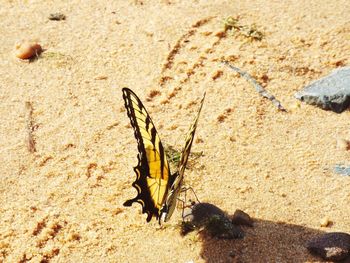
(211,218)
(331,246)
(331,92)
(342,169)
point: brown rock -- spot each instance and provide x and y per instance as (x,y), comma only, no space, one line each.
(343,144)
(241,218)
(331,246)
(324,222)
(27,50)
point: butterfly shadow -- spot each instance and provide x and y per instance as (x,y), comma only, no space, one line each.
(267,241)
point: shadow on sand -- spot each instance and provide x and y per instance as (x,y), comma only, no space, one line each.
(267,241)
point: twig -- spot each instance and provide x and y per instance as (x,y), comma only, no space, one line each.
(30,141)
(257,86)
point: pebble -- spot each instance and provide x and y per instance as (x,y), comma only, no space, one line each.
(331,246)
(324,222)
(27,50)
(342,169)
(241,218)
(57,17)
(343,144)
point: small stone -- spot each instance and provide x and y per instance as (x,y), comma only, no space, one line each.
(57,17)
(241,218)
(343,144)
(27,50)
(331,246)
(342,169)
(324,222)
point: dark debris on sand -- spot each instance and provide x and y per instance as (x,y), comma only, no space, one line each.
(331,246)
(214,221)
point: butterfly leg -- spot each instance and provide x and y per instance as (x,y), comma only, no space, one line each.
(183,201)
(183,207)
(185,189)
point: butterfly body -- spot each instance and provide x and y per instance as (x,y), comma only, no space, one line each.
(157,189)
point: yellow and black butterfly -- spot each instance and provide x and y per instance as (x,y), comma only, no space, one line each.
(157,189)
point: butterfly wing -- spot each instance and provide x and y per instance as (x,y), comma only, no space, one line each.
(170,202)
(189,140)
(152,171)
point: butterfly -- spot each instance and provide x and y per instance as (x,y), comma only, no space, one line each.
(157,188)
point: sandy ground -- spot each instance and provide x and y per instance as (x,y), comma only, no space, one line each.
(63,203)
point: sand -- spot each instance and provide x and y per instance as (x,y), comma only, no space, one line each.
(63,202)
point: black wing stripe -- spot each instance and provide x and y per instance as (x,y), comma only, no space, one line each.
(162,153)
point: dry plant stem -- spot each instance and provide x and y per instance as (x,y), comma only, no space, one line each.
(30,142)
(257,86)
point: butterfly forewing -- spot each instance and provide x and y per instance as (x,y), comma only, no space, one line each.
(152,171)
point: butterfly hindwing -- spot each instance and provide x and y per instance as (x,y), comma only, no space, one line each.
(176,185)
(189,140)
(152,171)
